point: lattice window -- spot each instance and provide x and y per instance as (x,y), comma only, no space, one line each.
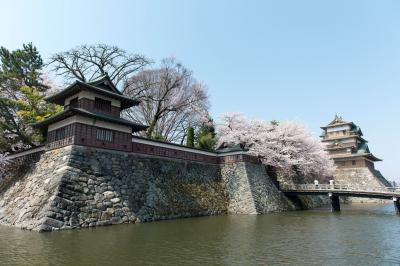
(104,135)
(60,134)
(102,105)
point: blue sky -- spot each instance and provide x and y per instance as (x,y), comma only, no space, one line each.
(284,60)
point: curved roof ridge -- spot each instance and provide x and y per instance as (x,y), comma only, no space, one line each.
(106,80)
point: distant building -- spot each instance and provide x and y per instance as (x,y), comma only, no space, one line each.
(346,146)
(355,164)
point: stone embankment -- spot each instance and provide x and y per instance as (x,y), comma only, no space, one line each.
(78,186)
(367,177)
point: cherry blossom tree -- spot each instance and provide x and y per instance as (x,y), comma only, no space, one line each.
(286,145)
(49,81)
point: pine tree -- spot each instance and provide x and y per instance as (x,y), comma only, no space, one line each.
(205,136)
(21,97)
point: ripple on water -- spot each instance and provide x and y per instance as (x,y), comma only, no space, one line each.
(359,235)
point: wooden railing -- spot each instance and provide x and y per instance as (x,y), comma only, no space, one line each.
(32,154)
(60,143)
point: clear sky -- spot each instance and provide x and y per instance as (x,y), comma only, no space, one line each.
(285,60)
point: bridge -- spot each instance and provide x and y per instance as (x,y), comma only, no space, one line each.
(336,190)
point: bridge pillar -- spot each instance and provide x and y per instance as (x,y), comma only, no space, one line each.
(396,201)
(335,203)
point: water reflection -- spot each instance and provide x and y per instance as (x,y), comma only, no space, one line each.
(359,235)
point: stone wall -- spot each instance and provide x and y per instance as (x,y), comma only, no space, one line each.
(27,200)
(79,186)
(366,177)
(290,177)
(251,191)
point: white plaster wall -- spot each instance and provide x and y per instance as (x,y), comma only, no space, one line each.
(338,128)
(91,96)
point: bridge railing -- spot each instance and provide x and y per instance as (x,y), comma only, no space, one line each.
(342,187)
(393,189)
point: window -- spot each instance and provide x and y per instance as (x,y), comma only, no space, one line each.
(104,135)
(353,162)
(102,105)
(74,102)
(60,134)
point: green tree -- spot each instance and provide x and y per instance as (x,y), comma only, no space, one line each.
(158,137)
(18,68)
(275,122)
(21,97)
(190,137)
(205,136)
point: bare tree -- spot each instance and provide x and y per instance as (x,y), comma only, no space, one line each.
(171,100)
(88,62)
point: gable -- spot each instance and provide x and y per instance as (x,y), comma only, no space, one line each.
(105,83)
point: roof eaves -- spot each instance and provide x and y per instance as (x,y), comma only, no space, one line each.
(128,102)
(120,96)
(46,121)
(338,124)
(109,118)
(56,95)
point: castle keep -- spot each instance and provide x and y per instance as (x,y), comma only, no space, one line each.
(353,160)
(346,146)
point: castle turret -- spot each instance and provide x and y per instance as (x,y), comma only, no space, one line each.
(91,117)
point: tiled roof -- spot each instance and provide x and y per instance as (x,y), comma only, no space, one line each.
(345,156)
(105,82)
(78,86)
(343,137)
(338,121)
(73,111)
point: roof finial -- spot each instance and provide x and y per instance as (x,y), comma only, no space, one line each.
(336,120)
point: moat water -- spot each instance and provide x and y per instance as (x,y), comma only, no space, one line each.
(359,235)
